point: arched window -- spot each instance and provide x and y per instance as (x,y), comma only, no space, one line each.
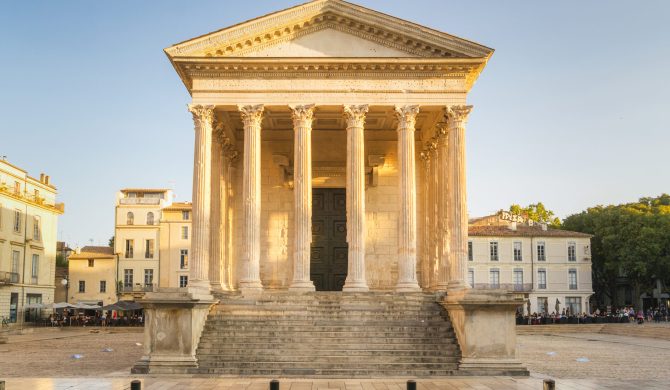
(130,218)
(150,218)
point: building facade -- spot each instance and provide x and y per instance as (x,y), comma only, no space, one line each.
(92,272)
(137,239)
(28,229)
(175,244)
(546,265)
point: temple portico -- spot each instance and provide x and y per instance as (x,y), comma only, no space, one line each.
(277,158)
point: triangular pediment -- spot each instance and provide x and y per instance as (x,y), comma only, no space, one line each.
(328,28)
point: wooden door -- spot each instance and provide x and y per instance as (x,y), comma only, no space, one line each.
(329,239)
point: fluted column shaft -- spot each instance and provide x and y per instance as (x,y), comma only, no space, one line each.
(229,156)
(458,210)
(203,117)
(355,116)
(433,213)
(425,236)
(302,190)
(251,193)
(443,216)
(216,224)
(406,116)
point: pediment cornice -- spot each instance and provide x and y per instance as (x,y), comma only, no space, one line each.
(282,26)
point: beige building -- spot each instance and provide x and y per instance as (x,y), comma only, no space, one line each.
(92,272)
(28,228)
(545,264)
(137,237)
(175,245)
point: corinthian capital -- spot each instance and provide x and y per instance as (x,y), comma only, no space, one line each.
(302,115)
(251,115)
(355,115)
(203,115)
(457,115)
(406,116)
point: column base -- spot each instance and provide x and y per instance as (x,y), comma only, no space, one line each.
(439,287)
(302,286)
(253,287)
(407,287)
(456,285)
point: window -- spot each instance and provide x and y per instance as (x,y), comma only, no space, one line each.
(470,251)
(91,263)
(517,251)
(494,278)
(541,279)
(17,221)
(572,251)
(150,218)
(103,286)
(129,249)
(517,278)
(185,215)
(573,304)
(148,277)
(82,286)
(541,304)
(184,232)
(17,188)
(130,218)
(493,248)
(35,270)
(540,251)
(183,280)
(16,258)
(471,277)
(183,262)
(37,229)
(149,249)
(572,278)
(128,278)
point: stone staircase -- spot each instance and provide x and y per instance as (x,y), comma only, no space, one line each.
(328,334)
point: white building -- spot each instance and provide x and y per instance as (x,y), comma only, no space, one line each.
(137,239)
(28,228)
(545,264)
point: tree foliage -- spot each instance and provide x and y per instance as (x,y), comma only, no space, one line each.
(536,212)
(111,242)
(629,240)
(61,260)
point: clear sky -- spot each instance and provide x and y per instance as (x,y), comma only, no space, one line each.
(572,109)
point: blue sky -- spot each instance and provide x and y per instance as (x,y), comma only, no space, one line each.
(572,109)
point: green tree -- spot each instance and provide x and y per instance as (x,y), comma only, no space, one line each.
(630,240)
(536,212)
(61,261)
(111,242)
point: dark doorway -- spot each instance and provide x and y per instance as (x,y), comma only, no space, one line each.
(329,239)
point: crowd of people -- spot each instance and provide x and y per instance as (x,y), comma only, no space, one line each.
(96,318)
(614,315)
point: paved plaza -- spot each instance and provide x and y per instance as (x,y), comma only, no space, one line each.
(574,360)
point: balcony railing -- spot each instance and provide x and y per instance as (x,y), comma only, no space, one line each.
(524,287)
(37,200)
(137,288)
(9,277)
(149,201)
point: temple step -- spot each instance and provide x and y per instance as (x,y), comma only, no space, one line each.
(328,335)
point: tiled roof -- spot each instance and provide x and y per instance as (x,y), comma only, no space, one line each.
(521,231)
(144,190)
(93,252)
(179,206)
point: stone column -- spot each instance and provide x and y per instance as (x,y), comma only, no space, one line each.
(216,223)
(229,157)
(425,228)
(203,117)
(355,116)
(433,213)
(406,116)
(458,209)
(251,194)
(302,190)
(442,201)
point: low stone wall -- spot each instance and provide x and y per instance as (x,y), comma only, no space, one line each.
(653,331)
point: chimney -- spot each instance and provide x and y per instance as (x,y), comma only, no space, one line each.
(77,250)
(544,226)
(41,177)
(46,179)
(512,226)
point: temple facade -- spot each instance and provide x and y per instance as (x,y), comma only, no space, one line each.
(329,152)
